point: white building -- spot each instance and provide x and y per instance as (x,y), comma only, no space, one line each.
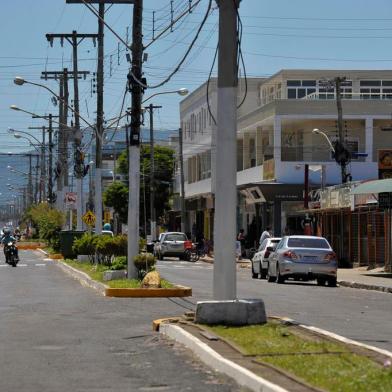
(275,141)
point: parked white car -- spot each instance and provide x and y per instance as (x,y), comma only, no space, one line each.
(171,244)
(260,258)
(301,257)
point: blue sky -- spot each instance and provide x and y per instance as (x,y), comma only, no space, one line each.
(349,34)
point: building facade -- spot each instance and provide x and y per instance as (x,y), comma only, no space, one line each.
(275,141)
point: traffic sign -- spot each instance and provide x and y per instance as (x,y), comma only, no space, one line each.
(89,218)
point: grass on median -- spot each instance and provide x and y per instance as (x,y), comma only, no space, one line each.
(321,363)
(95,271)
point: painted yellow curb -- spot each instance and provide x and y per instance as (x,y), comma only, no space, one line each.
(178,291)
(28,246)
(56,256)
(156,323)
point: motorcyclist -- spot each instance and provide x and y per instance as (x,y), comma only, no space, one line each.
(5,239)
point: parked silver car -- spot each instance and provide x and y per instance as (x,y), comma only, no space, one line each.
(171,244)
(303,257)
(260,258)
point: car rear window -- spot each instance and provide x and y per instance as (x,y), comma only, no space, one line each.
(308,243)
(176,237)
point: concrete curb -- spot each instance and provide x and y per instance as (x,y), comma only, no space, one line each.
(82,277)
(337,337)
(211,358)
(42,251)
(364,286)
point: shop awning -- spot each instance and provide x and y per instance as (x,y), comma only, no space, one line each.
(376,186)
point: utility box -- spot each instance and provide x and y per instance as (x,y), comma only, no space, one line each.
(67,238)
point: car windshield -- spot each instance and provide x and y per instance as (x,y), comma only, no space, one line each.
(176,237)
(308,243)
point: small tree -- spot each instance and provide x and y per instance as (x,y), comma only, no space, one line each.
(116,196)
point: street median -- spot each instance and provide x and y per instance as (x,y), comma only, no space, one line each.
(171,290)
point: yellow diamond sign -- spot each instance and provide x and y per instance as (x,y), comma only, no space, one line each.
(89,218)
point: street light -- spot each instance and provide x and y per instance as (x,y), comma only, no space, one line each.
(316,131)
(19,81)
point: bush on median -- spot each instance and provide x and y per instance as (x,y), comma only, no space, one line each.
(144,263)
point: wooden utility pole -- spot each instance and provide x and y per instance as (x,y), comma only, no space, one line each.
(224,280)
(341,151)
(42,190)
(100,130)
(75,39)
(135,77)
(62,148)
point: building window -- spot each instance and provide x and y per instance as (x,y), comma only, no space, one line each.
(297,89)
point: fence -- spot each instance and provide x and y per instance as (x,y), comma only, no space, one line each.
(359,238)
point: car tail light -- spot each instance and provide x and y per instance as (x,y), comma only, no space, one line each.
(330,256)
(290,255)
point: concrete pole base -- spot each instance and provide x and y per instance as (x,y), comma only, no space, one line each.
(233,312)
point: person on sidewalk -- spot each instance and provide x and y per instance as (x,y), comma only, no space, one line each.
(265,234)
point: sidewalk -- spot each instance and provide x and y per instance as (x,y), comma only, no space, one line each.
(362,278)
(359,278)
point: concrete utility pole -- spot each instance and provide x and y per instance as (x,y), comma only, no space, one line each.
(75,39)
(100,130)
(224,287)
(134,143)
(182,179)
(153,221)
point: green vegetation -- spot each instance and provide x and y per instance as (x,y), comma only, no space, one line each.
(321,363)
(47,221)
(96,272)
(144,262)
(116,195)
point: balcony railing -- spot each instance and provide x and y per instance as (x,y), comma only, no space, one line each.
(350,96)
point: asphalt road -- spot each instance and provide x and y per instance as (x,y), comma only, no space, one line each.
(56,335)
(362,315)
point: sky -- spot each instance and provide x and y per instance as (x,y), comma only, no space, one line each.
(279,34)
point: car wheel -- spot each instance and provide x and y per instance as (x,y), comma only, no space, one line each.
(332,282)
(321,281)
(254,275)
(279,278)
(263,272)
(269,277)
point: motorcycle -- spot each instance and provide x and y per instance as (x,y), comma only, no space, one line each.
(11,254)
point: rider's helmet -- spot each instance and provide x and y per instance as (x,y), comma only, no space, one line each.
(6,231)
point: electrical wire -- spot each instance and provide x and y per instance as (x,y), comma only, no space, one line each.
(177,68)
(208,84)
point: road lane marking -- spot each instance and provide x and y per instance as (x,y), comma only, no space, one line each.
(40,265)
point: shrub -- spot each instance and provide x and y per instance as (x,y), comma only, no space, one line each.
(120,245)
(105,249)
(119,263)
(85,245)
(144,263)
(142,244)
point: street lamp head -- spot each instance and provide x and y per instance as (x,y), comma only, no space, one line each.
(9,167)
(16,135)
(183,91)
(14,107)
(19,81)
(316,131)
